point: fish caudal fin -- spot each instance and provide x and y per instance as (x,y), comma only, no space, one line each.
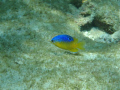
(81,45)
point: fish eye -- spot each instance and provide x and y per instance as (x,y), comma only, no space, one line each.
(69,38)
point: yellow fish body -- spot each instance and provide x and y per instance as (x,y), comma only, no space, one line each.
(68,43)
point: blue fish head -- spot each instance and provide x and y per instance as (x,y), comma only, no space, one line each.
(62,38)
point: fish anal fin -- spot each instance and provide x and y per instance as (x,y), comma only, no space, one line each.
(73,50)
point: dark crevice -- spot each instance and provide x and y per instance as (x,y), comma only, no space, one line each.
(103,26)
(97,23)
(86,27)
(76,3)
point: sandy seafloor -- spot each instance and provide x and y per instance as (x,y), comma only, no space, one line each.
(28,61)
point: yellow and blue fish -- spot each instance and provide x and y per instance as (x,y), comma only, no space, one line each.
(68,43)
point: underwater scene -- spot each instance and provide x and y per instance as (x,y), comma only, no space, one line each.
(59,44)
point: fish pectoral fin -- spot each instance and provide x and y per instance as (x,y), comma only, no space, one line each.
(73,50)
(81,45)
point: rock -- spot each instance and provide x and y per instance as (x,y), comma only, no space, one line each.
(106,14)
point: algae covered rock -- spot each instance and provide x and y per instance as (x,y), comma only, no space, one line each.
(106,14)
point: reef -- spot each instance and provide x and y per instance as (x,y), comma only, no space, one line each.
(105,14)
(28,60)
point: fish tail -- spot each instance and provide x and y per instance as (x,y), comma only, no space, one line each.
(81,45)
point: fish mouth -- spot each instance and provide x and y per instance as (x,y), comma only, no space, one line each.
(52,41)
